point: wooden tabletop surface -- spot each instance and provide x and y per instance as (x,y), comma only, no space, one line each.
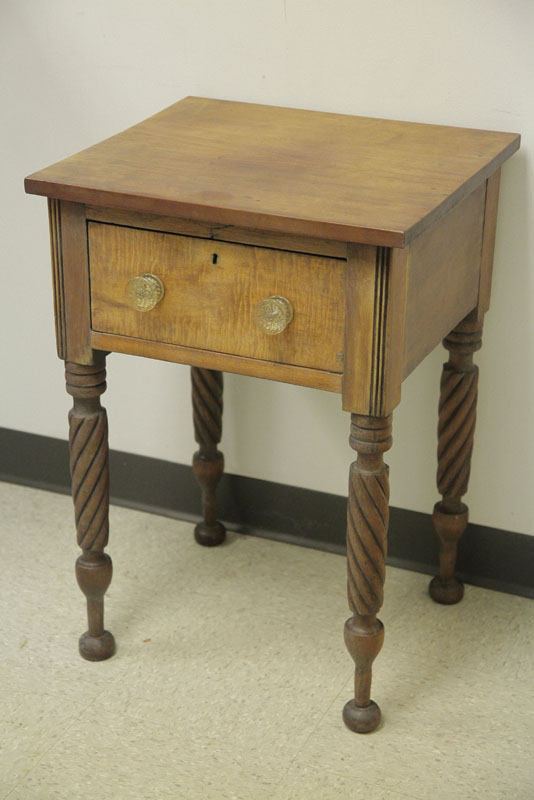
(331,176)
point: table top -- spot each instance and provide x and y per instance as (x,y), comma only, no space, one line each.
(332,176)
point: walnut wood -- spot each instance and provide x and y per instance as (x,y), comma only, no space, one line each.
(210,300)
(89,467)
(367,524)
(443,278)
(456,428)
(330,176)
(218,232)
(70,272)
(194,356)
(375,300)
(208,462)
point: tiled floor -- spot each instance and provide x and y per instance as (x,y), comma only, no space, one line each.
(231,674)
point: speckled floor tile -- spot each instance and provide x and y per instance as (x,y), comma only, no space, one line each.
(441,736)
(323,576)
(316,574)
(307,782)
(231,669)
(401,796)
(30,724)
(231,674)
(486,624)
(112,757)
(5,790)
(38,638)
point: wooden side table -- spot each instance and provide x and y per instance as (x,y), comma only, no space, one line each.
(319,249)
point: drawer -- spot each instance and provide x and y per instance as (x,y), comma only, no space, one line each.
(211,293)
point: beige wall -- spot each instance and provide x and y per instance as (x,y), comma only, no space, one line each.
(75,72)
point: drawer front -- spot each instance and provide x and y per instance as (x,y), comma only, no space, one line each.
(211,290)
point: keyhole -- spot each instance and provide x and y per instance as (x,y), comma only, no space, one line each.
(214,258)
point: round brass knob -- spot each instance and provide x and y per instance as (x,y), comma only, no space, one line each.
(144,292)
(273,314)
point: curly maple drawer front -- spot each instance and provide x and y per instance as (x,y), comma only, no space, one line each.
(211,290)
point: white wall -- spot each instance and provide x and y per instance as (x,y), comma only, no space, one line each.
(75,72)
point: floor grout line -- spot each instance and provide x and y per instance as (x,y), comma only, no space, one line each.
(321,720)
(68,725)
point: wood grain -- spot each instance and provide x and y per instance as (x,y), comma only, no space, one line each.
(443,278)
(375,299)
(211,305)
(488,244)
(196,357)
(217,232)
(331,176)
(56,255)
(70,270)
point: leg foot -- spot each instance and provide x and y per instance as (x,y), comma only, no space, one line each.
(450,525)
(362,720)
(446,592)
(364,636)
(96,648)
(210,535)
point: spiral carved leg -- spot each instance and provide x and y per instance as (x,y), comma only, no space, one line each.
(456,428)
(88,441)
(367,525)
(208,461)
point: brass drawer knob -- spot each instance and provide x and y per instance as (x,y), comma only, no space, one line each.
(144,292)
(273,314)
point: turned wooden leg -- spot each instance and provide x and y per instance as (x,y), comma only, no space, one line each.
(208,462)
(367,525)
(88,441)
(456,428)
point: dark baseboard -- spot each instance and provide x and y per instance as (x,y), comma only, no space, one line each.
(488,557)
